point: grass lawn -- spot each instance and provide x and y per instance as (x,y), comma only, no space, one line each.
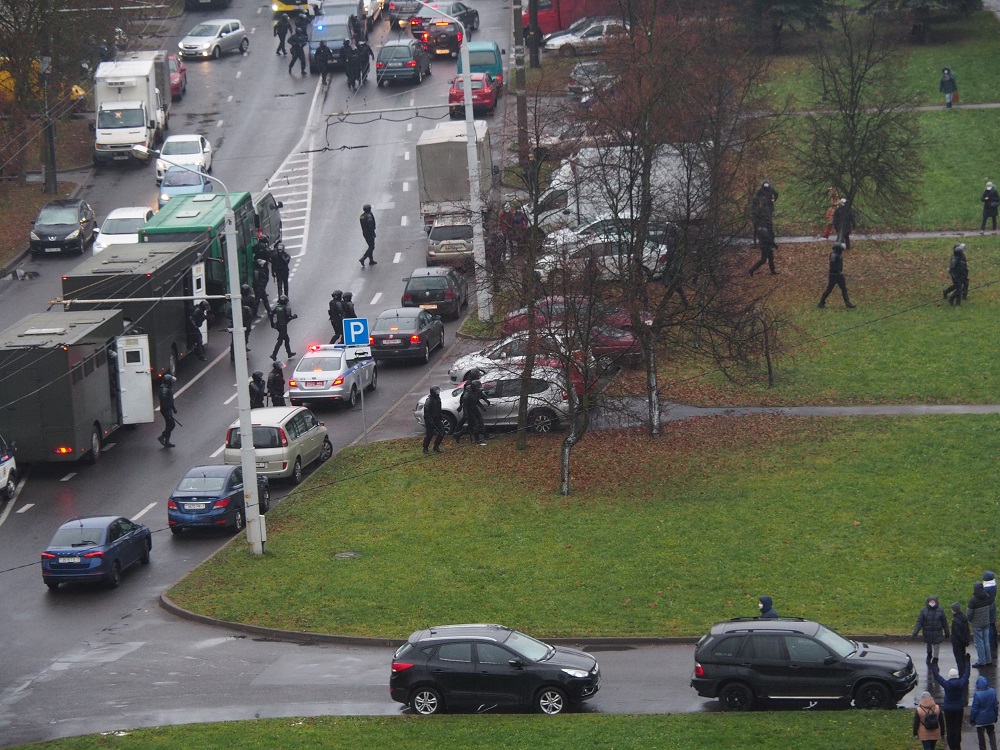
(886,730)
(826,515)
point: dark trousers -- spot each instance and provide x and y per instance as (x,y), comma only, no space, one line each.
(959,651)
(282,339)
(281,45)
(277,400)
(435,431)
(168,426)
(197,343)
(958,291)
(988,731)
(338,330)
(835,280)
(282,280)
(766,256)
(845,237)
(953,727)
(297,54)
(370,254)
(987,215)
(262,297)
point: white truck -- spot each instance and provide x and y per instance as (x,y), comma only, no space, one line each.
(131,99)
(443,172)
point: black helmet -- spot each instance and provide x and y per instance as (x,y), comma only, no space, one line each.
(282,298)
(258,374)
(348,296)
(203,304)
(436,390)
(839,246)
(367,207)
(276,366)
(959,247)
(337,294)
(246,288)
(474,374)
(168,378)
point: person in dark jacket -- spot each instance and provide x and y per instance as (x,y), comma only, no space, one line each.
(433,426)
(983,714)
(167,409)
(298,42)
(258,390)
(991,204)
(368,231)
(961,635)
(843,222)
(350,62)
(836,277)
(276,385)
(194,323)
(261,277)
(978,612)
(363,56)
(281,263)
(948,86)
(955,689)
(958,269)
(460,429)
(324,60)
(766,606)
(934,623)
(762,208)
(473,401)
(990,589)
(336,312)
(765,241)
(347,305)
(280,318)
(927,724)
(281,29)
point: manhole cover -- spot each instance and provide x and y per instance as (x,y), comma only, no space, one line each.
(346,555)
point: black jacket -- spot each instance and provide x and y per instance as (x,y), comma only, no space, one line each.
(958,269)
(167,400)
(276,384)
(978,610)
(367,223)
(836,263)
(348,307)
(991,202)
(281,26)
(336,310)
(960,632)
(432,412)
(280,263)
(260,278)
(281,315)
(258,389)
(843,220)
(323,55)
(298,40)
(934,623)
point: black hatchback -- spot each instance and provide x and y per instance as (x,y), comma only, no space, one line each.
(745,661)
(482,666)
(63,225)
(443,291)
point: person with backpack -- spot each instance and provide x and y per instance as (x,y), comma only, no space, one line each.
(933,621)
(927,724)
(955,689)
(983,714)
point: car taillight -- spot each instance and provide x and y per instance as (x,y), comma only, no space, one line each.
(699,671)
(283,438)
(229,436)
(407,297)
(379,65)
(459,37)
(171,505)
(293,384)
(411,64)
(94,554)
(63,450)
(448,294)
(400,666)
(425,37)
(223,503)
(500,79)
(339,380)
(48,556)
(371,341)
(415,338)
(453,92)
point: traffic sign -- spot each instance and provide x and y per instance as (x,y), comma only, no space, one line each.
(356,331)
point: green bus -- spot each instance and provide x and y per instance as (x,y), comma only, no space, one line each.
(191,218)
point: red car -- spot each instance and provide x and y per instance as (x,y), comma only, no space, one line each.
(178,77)
(484,95)
(614,347)
(551,311)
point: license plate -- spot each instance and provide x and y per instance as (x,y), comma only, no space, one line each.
(69,559)
(428,307)
(53,249)
(261,465)
(395,65)
(314,383)
(120,157)
(392,342)
(443,51)
(194,506)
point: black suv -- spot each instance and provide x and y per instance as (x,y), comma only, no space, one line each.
(441,38)
(745,660)
(443,291)
(63,225)
(489,665)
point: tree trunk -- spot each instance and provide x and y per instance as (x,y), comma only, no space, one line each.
(652,392)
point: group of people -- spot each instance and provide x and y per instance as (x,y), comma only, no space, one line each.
(341,308)
(355,56)
(470,407)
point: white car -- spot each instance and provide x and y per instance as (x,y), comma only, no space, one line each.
(605,257)
(332,373)
(186,150)
(590,40)
(122,227)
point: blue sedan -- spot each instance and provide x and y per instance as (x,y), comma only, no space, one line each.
(180,181)
(95,548)
(212,497)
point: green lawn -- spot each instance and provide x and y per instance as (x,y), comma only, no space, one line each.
(827,515)
(886,730)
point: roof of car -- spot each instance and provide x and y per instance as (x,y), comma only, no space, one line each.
(452,220)
(129,212)
(756,624)
(183,137)
(471,46)
(496,633)
(398,43)
(213,470)
(269,415)
(400,312)
(434,271)
(92,520)
(65,202)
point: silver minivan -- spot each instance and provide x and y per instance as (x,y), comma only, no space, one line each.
(286,439)
(449,240)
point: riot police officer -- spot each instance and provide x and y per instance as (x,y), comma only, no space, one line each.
(347,304)
(280,317)
(167,410)
(836,276)
(281,263)
(324,59)
(336,312)
(258,390)
(958,269)
(195,321)
(276,385)
(260,280)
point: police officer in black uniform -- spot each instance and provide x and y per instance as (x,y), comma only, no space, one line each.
(433,426)
(368,230)
(260,279)
(298,41)
(280,317)
(350,63)
(194,323)
(276,385)
(336,312)
(281,29)
(843,222)
(958,269)
(347,305)
(167,409)
(765,240)
(258,390)
(324,59)
(281,263)
(364,56)
(836,276)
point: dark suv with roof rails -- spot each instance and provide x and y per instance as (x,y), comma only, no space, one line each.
(748,660)
(486,666)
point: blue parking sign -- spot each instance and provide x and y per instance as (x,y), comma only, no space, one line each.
(356,331)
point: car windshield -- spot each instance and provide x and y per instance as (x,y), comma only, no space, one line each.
(395,52)
(485,57)
(426,283)
(395,325)
(122,226)
(181,177)
(263,437)
(120,118)
(451,232)
(174,67)
(205,29)
(477,84)
(836,642)
(173,148)
(329,33)
(201,484)
(57,215)
(77,536)
(327,363)
(527,646)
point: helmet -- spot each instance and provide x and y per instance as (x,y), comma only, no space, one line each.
(367,207)
(436,390)
(474,374)
(989,185)
(246,288)
(959,247)
(203,304)
(264,239)
(279,246)
(337,294)
(258,374)
(168,378)
(348,296)
(283,298)
(839,246)
(276,366)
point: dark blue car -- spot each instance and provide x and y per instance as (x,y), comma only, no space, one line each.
(212,497)
(95,548)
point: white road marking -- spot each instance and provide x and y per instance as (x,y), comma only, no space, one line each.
(229,98)
(403,221)
(221,448)
(26,506)
(239,73)
(409,127)
(13,501)
(219,123)
(397,257)
(229,400)
(406,187)
(376,298)
(143,512)
(68,476)
(406,156)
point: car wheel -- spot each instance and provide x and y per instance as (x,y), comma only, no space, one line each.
(551,701)
(426,356)
(420,76)
(95,446)
(216,53)
(297,471)
(53,585)
(10,487)
(567,50)
(426,701)
(870,695)
(352,401)
(147,546)
(115,576)
(542,421)
(374,384)
(239,521)
(474,26)
(176,530)
(605,364)
(264,499)
(736,696)
(244,45)
(448,424)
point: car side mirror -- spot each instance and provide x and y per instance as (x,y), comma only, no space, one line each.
(406,279)
(279,204)
(515,663)
(12,448)
(97,230)
(830,660)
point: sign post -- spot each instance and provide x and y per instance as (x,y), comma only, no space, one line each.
(356,337)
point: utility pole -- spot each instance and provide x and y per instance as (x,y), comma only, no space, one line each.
(519,82)
(49,149)
(535,36)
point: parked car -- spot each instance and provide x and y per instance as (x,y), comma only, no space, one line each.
(332,373)
(95,549)
(403,59)
(189,149)
(121,227)
(575,28)
(591,39)
(600,258)
(286,439)
(442,290)
(469,17)
(548,401)
(746,661)
(454,666)
(401,11)
(485,57)
(212,497)
(180,181)
(178,76)
(484,95)
(406,333)
(614,347)
(214,38)
(63,225)
(8,469)
(450,240)
(552,311)
(441,38)
(589,75)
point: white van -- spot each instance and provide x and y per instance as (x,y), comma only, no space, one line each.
(8,469)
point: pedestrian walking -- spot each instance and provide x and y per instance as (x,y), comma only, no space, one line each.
(933,622)
(281,316)
(276,385)
(460,429)
(927,724)
(167,409)
(766,606)
(350,64)
(433,425)
(324,59)
(955,689)
(336,312)
(961,635)
(978,612)
(281,263)
(368,231)
(197,318)
(472,402)
(281,29)
(347,305)
(843,222)
(835,277)
(298,42)
(948,87)
(834,198)
(765,241)
(363,56)
(983,714)
(260,279)
(958,269)
(258,390)
(990,585)
(762,208)
(991,204)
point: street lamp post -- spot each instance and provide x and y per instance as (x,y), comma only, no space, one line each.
(256,531)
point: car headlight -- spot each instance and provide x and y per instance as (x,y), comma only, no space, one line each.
(204,45)
(161,166)
(164,197)
(578,673)
(73,235)
(274,7)
(33,236)
(900,673)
